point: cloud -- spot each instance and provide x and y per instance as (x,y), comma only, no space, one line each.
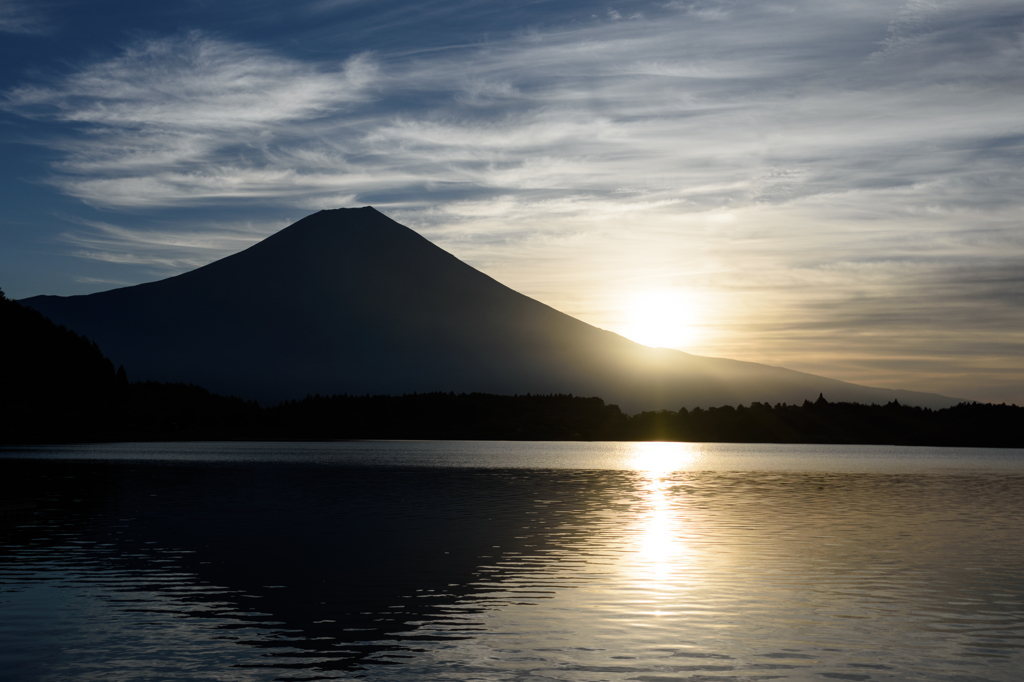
(667,108)
(22,17)
(194,82)
(154,119)
(163,251)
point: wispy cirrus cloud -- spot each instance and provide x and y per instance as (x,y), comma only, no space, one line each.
(194,82)
(648,107)
(155,119)
(17,16)
(163,250)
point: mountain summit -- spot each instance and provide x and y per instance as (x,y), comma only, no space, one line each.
(350,301)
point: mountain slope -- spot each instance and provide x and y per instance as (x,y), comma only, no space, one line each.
(350,301)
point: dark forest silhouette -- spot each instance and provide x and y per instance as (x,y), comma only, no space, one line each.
(59,387)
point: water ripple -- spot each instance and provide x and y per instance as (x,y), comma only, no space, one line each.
(250,570)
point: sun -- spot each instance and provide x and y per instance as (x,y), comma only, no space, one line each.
(661,319)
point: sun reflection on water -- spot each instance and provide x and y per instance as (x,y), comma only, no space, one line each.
(658,459)
(661,556)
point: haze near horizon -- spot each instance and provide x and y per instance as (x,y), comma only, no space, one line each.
(829,188)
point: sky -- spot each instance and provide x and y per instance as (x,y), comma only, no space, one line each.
(835,187)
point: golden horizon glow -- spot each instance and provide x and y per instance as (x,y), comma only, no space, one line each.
(665,318)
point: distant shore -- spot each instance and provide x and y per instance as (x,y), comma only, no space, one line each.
(151,411)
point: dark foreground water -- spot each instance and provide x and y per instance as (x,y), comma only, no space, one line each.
(511,561)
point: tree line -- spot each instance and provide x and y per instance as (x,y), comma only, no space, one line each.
(59,387)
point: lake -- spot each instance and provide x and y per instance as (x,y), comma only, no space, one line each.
(575,562)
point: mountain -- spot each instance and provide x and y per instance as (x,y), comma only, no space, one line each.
(350,301)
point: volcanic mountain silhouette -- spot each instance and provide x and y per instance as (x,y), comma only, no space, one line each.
(349,301)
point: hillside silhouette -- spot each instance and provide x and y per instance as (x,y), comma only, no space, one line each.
(55,383)
(348,301)
(60,388)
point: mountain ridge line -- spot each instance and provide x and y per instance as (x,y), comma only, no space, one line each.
(350,301)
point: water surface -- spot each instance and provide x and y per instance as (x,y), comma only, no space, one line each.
(511,561)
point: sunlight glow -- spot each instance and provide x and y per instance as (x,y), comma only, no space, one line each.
(661,319)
